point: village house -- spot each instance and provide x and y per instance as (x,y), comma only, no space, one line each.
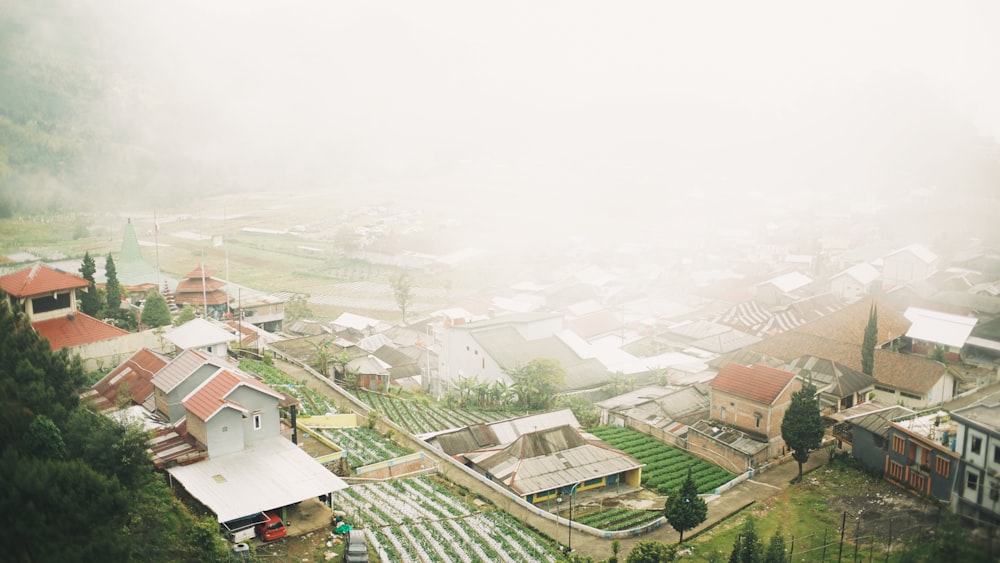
(908,264)
(977,441)
(920,454)
(540,457)
(753,399)
(854,282)
(933,333)
(48,297)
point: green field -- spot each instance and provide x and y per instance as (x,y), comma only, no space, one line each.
(666,466)
(425,415)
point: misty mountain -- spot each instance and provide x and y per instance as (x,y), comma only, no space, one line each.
(118,104)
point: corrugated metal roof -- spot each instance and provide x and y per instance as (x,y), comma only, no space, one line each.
(735,439)
(134,376)
(544,460)
(266,475)
(179,369)
(939,328)
(197,333)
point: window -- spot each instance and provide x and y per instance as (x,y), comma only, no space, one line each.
(911,396)
(225,429)
(757,418)
(885,390)
(898,445)
(942,466)
(994,491)
(895,470)
(996,454)
(257,423)
(976,445)
(972,481)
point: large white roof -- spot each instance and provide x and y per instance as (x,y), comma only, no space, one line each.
(939,328)
(198,333)
(790,281)
(266,475)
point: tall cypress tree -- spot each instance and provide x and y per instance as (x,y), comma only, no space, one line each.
(112,288)
(868,345)
(90,300)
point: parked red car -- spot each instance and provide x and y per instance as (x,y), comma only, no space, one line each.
(272,528)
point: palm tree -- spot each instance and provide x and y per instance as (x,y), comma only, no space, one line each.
(323,355)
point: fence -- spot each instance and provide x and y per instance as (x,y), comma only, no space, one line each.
(873,540)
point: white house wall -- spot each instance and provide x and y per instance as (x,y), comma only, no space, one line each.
(462,356)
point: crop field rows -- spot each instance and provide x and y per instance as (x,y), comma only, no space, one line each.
(311,403)
(666,466)
(619,518)
(419,418)
(364,446)
(418,520)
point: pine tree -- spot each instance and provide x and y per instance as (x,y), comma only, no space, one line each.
(112,289)
(748,547)
(776,549)
(90,300)
(802,425)
(684,508)
(871,338)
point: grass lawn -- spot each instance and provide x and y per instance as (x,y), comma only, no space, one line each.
(813,509)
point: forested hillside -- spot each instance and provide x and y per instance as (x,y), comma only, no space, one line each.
(76,485)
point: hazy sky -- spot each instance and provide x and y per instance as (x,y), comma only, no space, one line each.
(545,100)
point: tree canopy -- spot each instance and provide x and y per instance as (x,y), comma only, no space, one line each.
(76,485)
(537,382)
(649,551)
(155,312)
(802,426)
(684,509)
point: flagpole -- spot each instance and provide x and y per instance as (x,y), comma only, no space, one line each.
(156,243)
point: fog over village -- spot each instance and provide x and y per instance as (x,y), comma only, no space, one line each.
(534,281)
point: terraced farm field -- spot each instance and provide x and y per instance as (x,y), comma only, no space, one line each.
(311,403)
(420,520)
(364,446)
(666,466)
(420,418)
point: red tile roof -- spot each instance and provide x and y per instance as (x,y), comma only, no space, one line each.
(134,376)
(210,397)
(758,382)
(39,280)
(900,371)
(849,323)
(75,329)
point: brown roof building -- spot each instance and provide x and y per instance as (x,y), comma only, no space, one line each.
(754,399)
(200,289)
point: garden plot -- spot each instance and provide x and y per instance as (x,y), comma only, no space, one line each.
(364,446)
(311,403)
(419,417)
(419,520)
(666,467)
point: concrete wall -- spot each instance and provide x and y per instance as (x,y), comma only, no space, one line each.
(108,354)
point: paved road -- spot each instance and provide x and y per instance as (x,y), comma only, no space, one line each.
(762,487)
